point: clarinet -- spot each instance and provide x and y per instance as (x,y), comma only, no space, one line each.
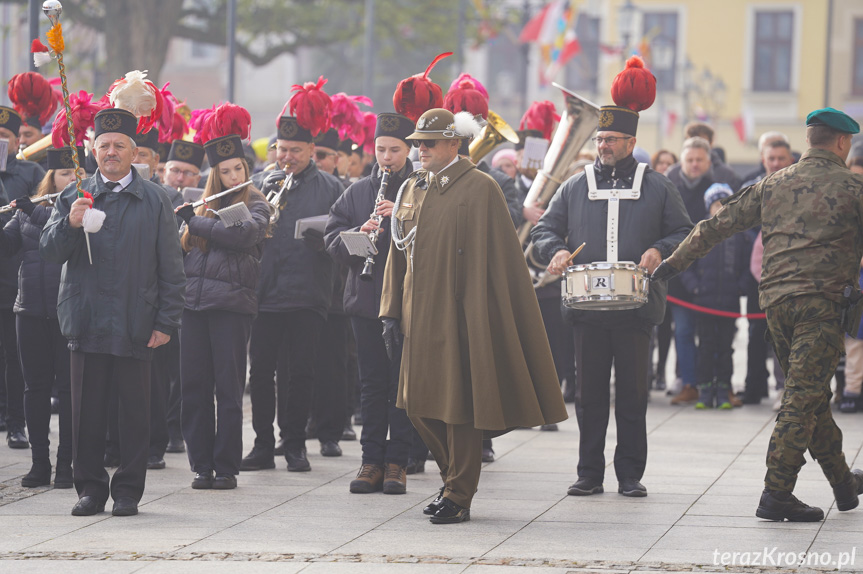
(366,275)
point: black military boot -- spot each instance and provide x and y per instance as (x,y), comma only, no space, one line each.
(781,505)
(847,492)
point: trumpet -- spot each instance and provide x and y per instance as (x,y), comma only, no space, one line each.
(274,198)
(207,200)
(49,197)
(366,274)
(36,151)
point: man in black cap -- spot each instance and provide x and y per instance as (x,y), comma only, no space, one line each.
(652,220)
(148,154)
(115,310)
(812,229)
(183,168)
(384,461)
(294,295)
(326,154)
(20,179)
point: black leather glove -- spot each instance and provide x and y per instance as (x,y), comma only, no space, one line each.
(313,239)
(273,182)
(664,272)
(186,212)
(25,205)
(392,335)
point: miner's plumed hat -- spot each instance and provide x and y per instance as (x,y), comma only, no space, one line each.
(633,90)
(831,117)
(188,152)
(394,125)
(116,120)
(62,158)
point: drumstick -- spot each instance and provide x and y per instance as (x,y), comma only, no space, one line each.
(574,253)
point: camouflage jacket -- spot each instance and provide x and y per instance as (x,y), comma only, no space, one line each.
(811,215)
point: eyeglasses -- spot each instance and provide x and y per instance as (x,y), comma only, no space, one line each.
(322,155)
(609,140)
(176,172)
(428,143)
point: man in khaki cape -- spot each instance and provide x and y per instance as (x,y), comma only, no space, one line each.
(476,359)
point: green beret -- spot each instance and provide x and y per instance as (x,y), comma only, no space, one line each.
(833,118)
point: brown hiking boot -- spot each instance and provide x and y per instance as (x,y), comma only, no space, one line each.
(370,478)
(689,394)
(396,479)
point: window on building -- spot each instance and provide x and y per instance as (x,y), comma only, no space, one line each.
(857,75)
(660,35)
(582,71)
(774,44)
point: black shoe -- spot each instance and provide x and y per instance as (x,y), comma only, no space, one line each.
(224,482)
(63,477)
(631,487)
(585,486)
(849,405)
(203,480)
(87,506)
(846,493)
(111,461)
(259,459)
(349,433)
(751,398)
(450,513)
(280,448)
(550,427)
(125,506)
(16,438)
(176,445)
(434,505)
(331,448)
(39,475)
(781,505)
(488,455)
(155,462)
(415,466)
(297,461)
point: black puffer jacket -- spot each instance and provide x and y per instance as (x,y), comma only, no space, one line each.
(38,280)
(225,276)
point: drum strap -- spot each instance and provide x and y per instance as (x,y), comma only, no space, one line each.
(613,196)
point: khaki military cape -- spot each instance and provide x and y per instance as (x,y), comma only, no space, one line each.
(475,348)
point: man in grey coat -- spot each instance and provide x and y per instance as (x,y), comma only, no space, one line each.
(114,311)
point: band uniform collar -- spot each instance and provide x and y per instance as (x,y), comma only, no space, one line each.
(448,175)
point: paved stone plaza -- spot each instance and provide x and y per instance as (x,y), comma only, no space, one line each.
(704,478)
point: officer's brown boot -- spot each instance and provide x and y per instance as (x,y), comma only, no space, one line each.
(370,478)
(395,479)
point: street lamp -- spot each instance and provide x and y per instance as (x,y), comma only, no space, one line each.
(625,20)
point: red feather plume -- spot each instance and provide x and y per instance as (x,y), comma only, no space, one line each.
(179,129)
(346,117)
(310,104)
(477,84)
(165,122)
(370,123)
(84,111)
(32,96)
(634,87)
(140,96)
(416,95)
(199,123)
(228,119)
(466,97)
(540,116)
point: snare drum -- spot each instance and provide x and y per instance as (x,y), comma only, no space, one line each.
(603,286)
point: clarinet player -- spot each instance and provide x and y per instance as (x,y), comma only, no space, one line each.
(384,462)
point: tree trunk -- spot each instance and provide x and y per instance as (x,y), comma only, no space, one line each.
(138,34)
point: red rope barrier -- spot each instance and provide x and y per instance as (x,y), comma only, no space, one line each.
(716,312)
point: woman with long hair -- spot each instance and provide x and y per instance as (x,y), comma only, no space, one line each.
(42,349)
(222,264)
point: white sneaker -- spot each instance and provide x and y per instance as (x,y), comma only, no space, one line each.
(778,404)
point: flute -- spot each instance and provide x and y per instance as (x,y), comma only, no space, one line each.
(49,197)
(207,200)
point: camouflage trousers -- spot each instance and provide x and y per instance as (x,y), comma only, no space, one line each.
(809,341)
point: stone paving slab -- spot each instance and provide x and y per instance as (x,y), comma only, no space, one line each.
(704,477)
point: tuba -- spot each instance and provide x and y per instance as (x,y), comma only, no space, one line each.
(578,123)
(494,132)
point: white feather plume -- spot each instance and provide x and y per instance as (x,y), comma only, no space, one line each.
(466,125)
(41,58)
(134,94)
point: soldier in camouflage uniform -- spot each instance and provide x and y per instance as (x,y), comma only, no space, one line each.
(811,215)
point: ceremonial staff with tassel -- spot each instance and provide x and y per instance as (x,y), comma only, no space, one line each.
(127,302)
